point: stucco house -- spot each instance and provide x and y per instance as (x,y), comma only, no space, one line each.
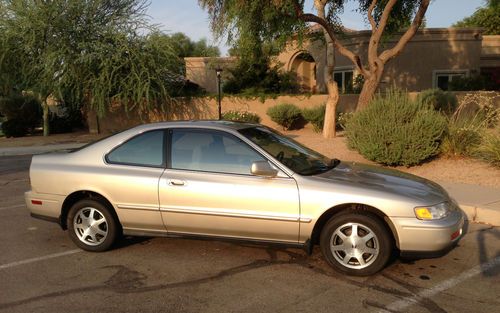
(433,58)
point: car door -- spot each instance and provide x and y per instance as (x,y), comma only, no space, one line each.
(131,176)
(208,189)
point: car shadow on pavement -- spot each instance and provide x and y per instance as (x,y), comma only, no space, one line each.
(490,263)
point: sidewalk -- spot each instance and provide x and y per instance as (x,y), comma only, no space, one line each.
(480,204)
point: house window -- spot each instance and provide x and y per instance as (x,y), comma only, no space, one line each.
(442,79)
(344,79)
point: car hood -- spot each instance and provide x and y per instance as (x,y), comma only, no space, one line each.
(375,178)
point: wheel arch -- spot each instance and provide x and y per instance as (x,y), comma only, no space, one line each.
(76,196)
(353,207)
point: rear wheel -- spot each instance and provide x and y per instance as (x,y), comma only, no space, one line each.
(91,225)
(356,244)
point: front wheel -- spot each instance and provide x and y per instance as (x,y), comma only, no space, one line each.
(91,225)
(356,244)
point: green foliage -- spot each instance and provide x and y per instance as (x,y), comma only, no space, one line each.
(315,116)
(489,148)
(241,116)
(285,114)
(14,128)
(466,129)
(99,52)
(185,47)
(22,114)
(440,100)
(259,78)
(394,130)
(487,17)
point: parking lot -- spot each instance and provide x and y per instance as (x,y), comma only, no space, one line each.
(42,271)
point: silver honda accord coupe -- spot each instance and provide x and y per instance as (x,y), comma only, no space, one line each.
(240,181)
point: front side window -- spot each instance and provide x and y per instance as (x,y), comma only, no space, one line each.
(295,156)
(211,151)
(143,150)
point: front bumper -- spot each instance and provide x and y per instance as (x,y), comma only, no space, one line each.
(428,237)
(44,206)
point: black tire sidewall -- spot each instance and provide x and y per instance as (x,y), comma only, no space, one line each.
(110,219)
(372,222)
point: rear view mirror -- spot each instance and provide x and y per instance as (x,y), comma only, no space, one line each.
(263,168)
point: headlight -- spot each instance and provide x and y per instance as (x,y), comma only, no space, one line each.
(434,212)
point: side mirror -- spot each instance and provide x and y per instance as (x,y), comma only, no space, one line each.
(263,168)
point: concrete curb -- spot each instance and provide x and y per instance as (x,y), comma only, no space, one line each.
(482,215)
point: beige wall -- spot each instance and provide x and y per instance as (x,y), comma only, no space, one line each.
(205,108)
(429,51)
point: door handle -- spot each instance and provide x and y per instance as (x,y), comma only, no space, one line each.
(176,182)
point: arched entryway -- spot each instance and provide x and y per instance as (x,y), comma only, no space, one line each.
(304,66)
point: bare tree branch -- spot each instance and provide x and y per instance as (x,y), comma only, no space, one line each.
(370,15)
(417,21)
(308,17)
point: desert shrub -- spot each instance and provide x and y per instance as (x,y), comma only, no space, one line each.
(466,129)
(395,130)
(59,124)
(241,116)
(14,128)
(25,110)
(285,114)
(315,116)
(489,148)
(440,100)
(483,103)
(342,119)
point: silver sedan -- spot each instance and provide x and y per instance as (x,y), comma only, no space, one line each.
(244,182)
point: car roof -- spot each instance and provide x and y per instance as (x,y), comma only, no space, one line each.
(215,124)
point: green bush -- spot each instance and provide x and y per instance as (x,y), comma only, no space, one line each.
(14,128)
(489,148)
(25,109)
(440,100)
(395,130)
(466,129)
(241,116)
(285,114)
(315,116)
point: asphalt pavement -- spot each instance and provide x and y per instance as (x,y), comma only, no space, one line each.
(42,271)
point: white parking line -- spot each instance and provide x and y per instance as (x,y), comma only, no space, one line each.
(42,258)
(12,207)
(402,304)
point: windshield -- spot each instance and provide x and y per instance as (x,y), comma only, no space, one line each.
(292,154)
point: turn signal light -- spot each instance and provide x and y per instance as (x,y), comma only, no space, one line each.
(36,202)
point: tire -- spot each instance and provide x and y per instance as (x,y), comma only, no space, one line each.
(364,254)
(92,226)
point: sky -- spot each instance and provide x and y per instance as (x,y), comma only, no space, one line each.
(186,16)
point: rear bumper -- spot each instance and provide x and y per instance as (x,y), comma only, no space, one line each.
(44,206)
(429,238)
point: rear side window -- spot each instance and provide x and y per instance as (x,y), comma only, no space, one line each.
(143,150)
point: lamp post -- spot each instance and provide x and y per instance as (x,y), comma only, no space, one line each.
(218,71)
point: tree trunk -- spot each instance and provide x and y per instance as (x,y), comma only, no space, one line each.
(369,88)
(46,128)
(330,127)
